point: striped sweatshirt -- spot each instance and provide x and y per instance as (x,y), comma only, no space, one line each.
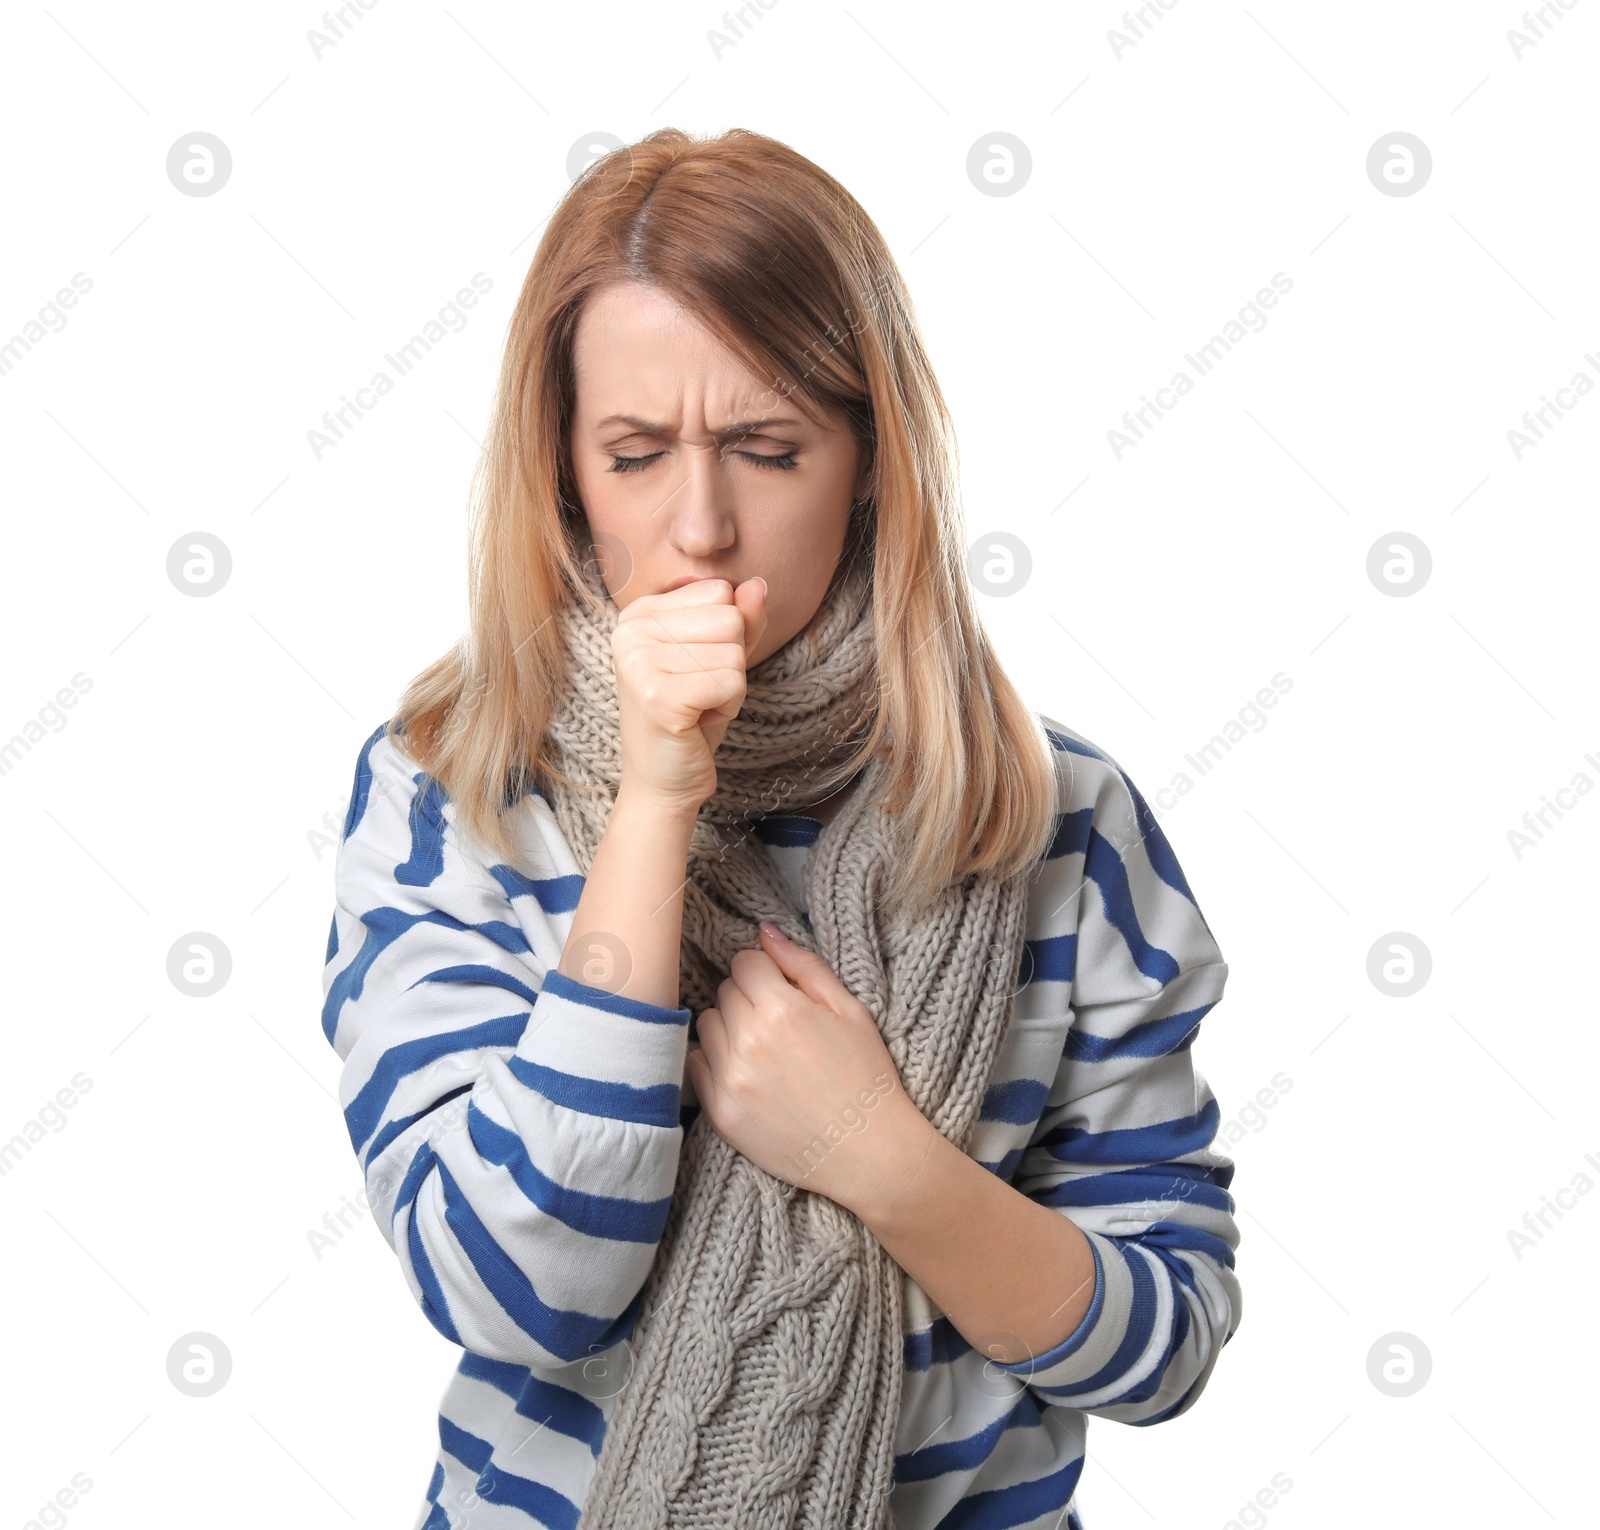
(519,1133)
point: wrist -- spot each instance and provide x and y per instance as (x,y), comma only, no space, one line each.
(890,1190)
(643,806)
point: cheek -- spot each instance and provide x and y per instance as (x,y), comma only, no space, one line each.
(592,487)
(610,501)
(612,532)
(796,591)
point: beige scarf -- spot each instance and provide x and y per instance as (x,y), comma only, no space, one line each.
(767,1355)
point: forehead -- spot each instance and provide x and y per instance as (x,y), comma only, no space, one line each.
(638,351)
(622,328)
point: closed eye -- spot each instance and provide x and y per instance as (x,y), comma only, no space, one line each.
(634,464)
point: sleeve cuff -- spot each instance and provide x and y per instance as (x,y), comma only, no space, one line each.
(559,983)
(602,1053)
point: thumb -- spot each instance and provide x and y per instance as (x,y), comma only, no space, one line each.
(751,599)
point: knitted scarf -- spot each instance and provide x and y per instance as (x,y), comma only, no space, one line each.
(767,1350)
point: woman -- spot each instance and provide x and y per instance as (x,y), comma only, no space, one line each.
(765,1039)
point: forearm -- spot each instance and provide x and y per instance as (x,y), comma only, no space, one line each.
(485,1134)
(633,895)
(1014,1277)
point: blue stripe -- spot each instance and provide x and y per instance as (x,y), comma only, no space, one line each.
(384,926)
(555,895)
(969,1453)
(365,1113)
(1155,1143)
(544,1504)
(563,1410)
(600,1216)
(556,981)
(1150,1038)
(1106,870)
(509,937)
(1162,861)
(401,1124)
(471,1451)
(1170,1240)
(938,1344)
(652,1105)
(361,789)
(434,1306)
(1159,851)
(427,835)
(501,1374)
(1018,1100)
(438,1519)
(568,1334)
(1144,1390)
(1051,959)
(1072,833)
(477,972)
(1001,1508)
(1192,1183)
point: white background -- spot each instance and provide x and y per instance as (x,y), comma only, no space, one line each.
(188,785)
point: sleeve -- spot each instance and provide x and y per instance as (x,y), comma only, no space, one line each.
(1124,1146)
(518,1131)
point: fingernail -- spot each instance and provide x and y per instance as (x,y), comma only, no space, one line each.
(763,584)
(773,930)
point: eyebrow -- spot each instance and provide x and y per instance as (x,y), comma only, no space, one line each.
(656,428)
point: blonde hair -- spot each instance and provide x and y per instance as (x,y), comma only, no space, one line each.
(778,260)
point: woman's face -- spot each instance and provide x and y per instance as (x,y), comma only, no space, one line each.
(687,463)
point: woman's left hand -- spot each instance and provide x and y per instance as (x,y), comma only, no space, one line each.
(793,1072)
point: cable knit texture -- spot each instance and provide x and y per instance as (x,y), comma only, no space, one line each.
(767,1354)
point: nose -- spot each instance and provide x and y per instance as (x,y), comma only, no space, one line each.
(700,508)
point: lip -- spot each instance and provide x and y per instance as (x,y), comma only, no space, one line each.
(687,579)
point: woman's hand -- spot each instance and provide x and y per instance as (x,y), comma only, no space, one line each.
(793,1073)
(680,660)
